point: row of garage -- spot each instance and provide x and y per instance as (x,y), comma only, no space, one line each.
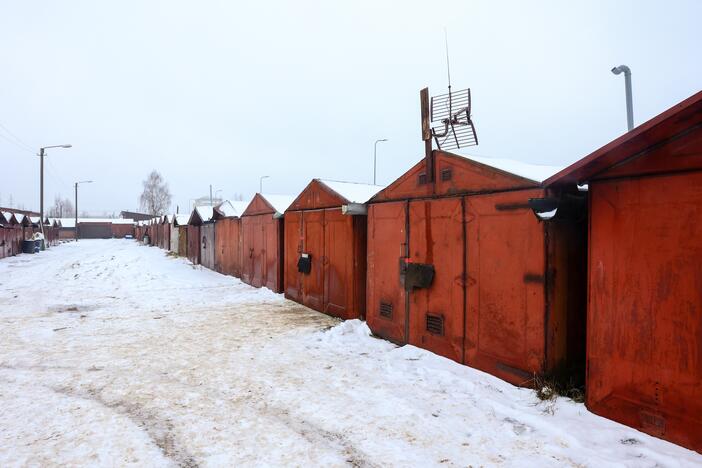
(592,272)
(15,227)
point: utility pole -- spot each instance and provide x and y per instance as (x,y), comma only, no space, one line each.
(76,225)
(41,188)
(41,181)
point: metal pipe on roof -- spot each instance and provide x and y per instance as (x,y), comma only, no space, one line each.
(627,85)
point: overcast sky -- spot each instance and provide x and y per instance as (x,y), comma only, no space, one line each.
(222,93)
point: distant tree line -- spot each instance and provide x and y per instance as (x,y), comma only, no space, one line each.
(62,208)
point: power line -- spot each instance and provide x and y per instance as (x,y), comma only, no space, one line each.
(16,144)
(18,140)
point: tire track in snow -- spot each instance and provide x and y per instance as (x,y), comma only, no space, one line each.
(160,430)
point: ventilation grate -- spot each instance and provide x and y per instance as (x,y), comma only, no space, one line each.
(422,178)
(435,324)
(446,174)
(386,309)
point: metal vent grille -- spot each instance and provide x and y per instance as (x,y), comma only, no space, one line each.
(435,324)
(386,309)
(422,178)
(446,174)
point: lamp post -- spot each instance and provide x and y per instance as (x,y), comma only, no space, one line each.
(260,183)
(375,156)
(42,153)
(627,85)
(76,192)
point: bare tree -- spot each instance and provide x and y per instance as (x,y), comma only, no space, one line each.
(62,208)
(156,198)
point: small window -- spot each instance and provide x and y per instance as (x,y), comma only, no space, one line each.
(422,178)
(435,324)
(446,174)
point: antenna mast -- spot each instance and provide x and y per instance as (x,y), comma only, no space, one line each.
(448,65)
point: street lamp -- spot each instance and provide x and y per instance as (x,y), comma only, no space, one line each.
(260,183)
(41,180)
(76,191)
(375,154)
(627,85)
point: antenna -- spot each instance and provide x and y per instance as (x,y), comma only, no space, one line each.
(454,129)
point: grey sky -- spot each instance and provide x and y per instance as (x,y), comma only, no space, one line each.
(222,92)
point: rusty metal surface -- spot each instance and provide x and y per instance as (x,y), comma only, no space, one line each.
(316,196)
(293,249)
(644,337)
(313,245)
(228,246)
(491,299)
(454,175)
(183,241)
(339,252)
(387,250)
(262,252)
(272,255)
(436,313)
(193,239)
(207,245)
(335,247)
(506,308)
(250,231)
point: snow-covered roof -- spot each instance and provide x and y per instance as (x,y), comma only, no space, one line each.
(6,216)
(352,191)
(280,203)
(535,172)
(205,212)
(182,219)
(231,208)
(35,219)
(71,222)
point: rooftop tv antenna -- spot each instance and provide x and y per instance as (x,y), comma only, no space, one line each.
(452,127)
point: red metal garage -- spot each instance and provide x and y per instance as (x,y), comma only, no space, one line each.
(460,265)
(262,241)
(180,221)
(193,239)
(644,329)
(325,245)
(164,238)
(228,237)
(202,218)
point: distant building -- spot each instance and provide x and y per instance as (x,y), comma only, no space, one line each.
(205,201)
(16,210)
(135,216)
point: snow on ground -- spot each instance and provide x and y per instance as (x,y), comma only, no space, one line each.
(116,354)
